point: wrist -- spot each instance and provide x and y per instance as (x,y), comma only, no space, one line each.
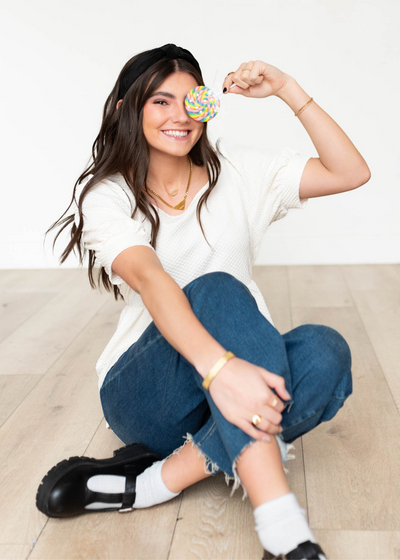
(209,358)
(283,89)
(293,94)
(217,368)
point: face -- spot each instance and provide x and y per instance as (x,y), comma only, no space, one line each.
(167,112)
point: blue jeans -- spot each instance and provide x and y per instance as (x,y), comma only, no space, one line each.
(153,395)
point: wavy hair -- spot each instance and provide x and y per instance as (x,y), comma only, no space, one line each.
(121,146)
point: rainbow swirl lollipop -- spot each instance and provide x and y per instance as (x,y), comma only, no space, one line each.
(202,104)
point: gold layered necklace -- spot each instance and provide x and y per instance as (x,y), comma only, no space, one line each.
(180,205)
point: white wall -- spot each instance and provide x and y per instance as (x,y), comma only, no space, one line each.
(60,60)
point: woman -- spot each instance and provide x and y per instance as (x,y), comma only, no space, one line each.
(195,354)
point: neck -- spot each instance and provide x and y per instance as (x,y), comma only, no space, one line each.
(166,171)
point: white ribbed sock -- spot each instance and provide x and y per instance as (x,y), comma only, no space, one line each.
(281,524)
(150,488)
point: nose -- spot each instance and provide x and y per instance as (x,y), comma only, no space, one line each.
(180,114)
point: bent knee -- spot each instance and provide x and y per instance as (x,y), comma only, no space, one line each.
(217,277)
(331,354)
(337,346)
(216,283)
(337,357)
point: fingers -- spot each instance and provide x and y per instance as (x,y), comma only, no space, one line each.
(275,403)
(250,430)
(269,414)
(277,382)
(270,419)
(242,78)
(268,425)
(258,434)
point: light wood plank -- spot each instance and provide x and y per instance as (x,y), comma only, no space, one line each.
(359,545)
(38,280)
(7,276)
(14,551)
(318,286)
(13,390)
(16,308)
(352,458)
(371,277)
(55,421)
(40,340)
(274,286)
(214,525)
(376,293)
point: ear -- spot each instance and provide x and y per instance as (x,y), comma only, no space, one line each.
(119,104)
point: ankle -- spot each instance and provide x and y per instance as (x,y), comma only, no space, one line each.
(168,476)
(184,468)
(261,472)
(281,525)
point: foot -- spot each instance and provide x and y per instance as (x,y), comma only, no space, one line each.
(63,492)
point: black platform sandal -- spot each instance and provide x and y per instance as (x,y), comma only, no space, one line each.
(63,492)
(305,551)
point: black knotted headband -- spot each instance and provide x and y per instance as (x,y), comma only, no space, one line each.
(147,59)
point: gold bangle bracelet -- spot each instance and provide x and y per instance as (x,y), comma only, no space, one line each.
(216,368)
(304,107)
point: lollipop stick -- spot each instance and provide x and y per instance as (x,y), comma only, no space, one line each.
(221,92)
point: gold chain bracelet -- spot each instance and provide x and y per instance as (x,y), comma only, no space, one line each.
(216,368)
(304,107)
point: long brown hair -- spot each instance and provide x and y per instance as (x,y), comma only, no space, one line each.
(122,147)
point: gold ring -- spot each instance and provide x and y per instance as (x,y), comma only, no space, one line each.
(230,73)
(274,402)
(256,419)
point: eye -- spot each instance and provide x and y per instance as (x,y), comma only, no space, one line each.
(160,101)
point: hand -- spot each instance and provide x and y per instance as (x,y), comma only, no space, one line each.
(241,389)
(262,80)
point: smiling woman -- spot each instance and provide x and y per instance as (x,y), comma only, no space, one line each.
(195,354)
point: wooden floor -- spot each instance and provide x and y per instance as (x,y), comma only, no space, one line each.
(346,473)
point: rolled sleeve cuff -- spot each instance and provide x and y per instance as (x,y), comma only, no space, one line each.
(113,246)
(295,168)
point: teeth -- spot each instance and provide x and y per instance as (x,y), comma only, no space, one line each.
(170,133)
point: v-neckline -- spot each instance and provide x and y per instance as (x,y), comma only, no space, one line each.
(161,211)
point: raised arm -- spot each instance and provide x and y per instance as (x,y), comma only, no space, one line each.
(340,167)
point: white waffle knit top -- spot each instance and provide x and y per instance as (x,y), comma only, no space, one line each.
(254,189)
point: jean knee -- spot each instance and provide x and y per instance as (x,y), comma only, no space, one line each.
(216,285)
(338,359)
(217,277)
(339,346)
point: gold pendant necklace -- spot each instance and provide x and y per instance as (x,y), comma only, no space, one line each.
(173,193)
(181,204)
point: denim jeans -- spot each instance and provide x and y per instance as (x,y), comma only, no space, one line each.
(153,395)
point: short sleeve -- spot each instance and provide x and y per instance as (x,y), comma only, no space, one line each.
(270,183)
(108,228)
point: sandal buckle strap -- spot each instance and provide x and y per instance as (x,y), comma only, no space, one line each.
(129,496)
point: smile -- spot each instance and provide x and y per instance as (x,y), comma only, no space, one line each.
(177,135)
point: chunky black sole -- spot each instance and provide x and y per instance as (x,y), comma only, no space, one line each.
(134,452)
(307,549)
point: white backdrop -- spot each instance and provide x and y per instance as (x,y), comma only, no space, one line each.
(60,60)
